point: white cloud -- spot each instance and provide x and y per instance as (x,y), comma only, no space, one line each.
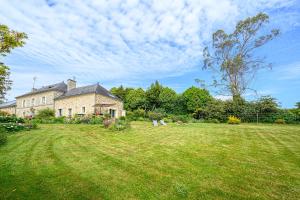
(289,72)
(123,40)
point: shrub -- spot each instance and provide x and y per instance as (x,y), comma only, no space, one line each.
(59,120)
(45,113)
(11,119)
(120,125)
(12,127)
(279,121)
(182,118)
(96,120)
(233,120)
(3,136)
(155,115)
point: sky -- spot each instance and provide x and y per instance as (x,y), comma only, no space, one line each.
(135,42)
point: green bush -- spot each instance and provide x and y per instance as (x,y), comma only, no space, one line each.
(96,120)
(11,119)
(279,121)
(182,118)
(3,136)
(233,120)
(45,113)
(155,115)
(120,125)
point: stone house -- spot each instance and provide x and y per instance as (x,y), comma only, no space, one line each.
(68,100)
(8,107)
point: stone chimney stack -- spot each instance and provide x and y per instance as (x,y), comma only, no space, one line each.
(71,84)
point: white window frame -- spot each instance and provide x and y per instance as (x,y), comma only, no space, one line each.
(43,100)
(83,110)
(24,103)
(32,101)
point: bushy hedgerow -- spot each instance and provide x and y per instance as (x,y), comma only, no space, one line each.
(11,119)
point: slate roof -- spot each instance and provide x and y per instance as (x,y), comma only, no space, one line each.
(96,88)
(54,87)
(8,104)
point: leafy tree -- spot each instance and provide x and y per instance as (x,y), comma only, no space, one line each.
(152,95)
(196,98)
(120,92)
(167,99)
(135,99)
(180,105)
(233,55)
(298,105)
(267,104)
(9,39)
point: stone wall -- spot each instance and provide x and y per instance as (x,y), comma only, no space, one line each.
(117,105)
(10,110)
(34,102)
(76,103)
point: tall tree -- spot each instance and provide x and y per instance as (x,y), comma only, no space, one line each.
(167,99)
(233,56)
(135,99)
(196,98)
(120,92)
(298,105)
(9,39)
(152,95)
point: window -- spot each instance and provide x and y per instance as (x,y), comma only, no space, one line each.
(32,102)
(83,110)
(24,114)
(24,103)
(112,113)
(59,112)
(43,100)
(70,112)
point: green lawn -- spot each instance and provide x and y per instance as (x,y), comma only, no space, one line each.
(194,161)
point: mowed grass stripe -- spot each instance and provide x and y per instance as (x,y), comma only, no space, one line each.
(194,161)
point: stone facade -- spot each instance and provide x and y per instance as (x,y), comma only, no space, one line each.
(67,100)
(29,105)
(9,109)
(80,104)
(106,105)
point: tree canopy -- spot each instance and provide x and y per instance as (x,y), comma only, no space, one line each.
(196,98)
(9,39)
(232,55)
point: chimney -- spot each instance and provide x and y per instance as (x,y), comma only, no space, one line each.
(71,84)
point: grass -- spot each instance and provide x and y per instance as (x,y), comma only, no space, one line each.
(194,161)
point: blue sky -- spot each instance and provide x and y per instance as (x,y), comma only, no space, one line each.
(136,42)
